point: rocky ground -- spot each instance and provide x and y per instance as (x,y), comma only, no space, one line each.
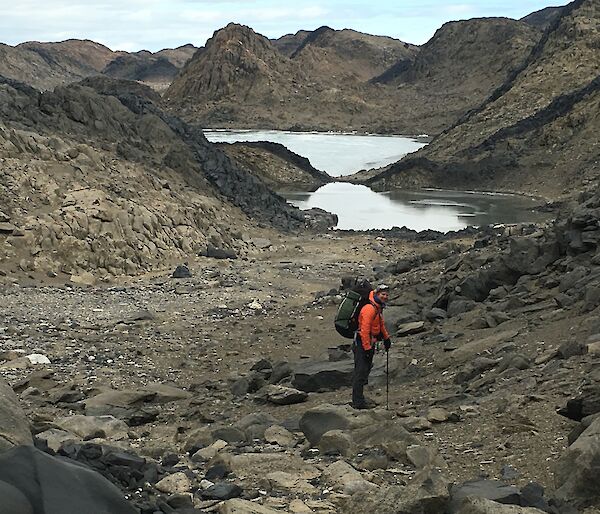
(227,389)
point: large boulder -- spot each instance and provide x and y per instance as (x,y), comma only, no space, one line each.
(576,472)
(281,395)
(586,404)
(489,489)
(530,255)
(323,376)
(14,427)
(474,505)
(321,419)
(315,376)
(343,477)
(89,427)
(427,493)
(340,430)
(59,487)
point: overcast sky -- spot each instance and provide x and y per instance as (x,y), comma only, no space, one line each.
(155,24)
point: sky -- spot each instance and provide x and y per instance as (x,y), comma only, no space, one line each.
(133,25)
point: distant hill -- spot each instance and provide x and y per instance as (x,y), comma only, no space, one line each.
(236,64)
(457,69)
(155,69)
(474,55)
(536,132)
(333,79)
(47,65)
(275,165)
(337,56)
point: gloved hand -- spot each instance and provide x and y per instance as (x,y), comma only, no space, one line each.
(387,343)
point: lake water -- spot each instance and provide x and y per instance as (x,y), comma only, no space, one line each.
(360,208)
(336,154)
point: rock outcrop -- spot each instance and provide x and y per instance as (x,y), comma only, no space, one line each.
(535,132)
(277,166)
(98,203)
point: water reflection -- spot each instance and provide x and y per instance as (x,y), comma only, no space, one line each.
(336,154)
(360,208)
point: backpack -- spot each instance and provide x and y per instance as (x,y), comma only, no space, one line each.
(346,319)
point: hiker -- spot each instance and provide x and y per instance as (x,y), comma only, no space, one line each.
(371,329)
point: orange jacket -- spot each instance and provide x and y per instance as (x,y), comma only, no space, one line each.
(371,326)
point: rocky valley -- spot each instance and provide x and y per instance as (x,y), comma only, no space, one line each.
(166,318)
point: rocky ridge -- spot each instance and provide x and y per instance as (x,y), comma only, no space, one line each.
(543,18)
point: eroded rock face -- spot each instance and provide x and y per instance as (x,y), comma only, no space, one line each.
(576,471)
(14,426)
(124,186)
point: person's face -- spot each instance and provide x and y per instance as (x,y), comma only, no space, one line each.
(383,296)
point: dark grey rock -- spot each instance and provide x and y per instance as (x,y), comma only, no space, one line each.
(229,434)
(586,404)
(509,473)
(460,306)
(53,486)
(581,427)
(248,385)
(435,314)
(255,424)
(262,365)
(222,491)
(220,253)
(240,387)
(592,297)
(218,471)
(402,266)
(571,278)
(570,349)
(490,489)
(319,420)
(514,361)
(281,370)
(182,271)
(396,315)
(323,376)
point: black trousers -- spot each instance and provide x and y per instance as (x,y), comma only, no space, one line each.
(363,362)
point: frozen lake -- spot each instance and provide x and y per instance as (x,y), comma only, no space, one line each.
(361,208)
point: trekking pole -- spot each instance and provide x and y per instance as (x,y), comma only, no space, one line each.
(387,380)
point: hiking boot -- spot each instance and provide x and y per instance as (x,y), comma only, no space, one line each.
(362,405)
(370,403)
